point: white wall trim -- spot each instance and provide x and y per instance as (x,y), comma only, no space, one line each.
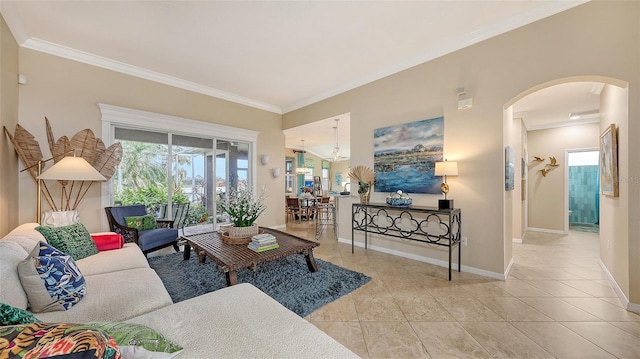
(632,307)
(128,117)
(544,230)
(506,272)
(545,126)
(516,240)
(113,65)
(454,266)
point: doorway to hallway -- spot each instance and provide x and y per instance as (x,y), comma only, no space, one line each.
(583,183)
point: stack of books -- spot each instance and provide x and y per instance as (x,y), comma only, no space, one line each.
(263,242)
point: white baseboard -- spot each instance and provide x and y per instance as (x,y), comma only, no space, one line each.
(544,230)
(516,240)
(506,272)
(445,264)
(632,307)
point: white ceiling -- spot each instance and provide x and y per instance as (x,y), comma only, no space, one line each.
(551,107)
(273,55)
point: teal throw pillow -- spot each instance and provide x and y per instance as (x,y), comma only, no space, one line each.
(141,223)
(73,240)
(137,340)
(11,315)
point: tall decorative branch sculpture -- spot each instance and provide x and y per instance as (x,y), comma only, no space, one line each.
(84,144)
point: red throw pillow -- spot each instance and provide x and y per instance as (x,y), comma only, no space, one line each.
(107,240)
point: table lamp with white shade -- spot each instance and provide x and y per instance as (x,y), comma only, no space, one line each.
(445,169)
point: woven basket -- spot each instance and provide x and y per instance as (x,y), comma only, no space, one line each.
(238,235)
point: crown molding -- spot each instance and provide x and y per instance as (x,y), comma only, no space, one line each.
(563,124)
(109,64)
(544,10)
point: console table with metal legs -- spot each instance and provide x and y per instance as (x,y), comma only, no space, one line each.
(416,223)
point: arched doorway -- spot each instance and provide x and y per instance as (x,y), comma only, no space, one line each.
(614,238)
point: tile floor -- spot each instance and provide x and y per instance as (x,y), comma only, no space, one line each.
(556,303)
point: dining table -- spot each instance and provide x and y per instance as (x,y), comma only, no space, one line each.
(307,206)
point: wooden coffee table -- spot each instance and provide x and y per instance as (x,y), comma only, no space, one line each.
(231,257)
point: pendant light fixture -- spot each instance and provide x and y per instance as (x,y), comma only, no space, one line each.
(336,156)
(301,169)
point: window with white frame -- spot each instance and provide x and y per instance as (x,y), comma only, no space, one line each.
(167,159)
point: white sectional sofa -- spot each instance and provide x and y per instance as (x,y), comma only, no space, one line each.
(236,322)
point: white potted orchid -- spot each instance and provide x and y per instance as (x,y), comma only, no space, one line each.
(243,208)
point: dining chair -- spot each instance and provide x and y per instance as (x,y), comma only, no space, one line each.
(294,209)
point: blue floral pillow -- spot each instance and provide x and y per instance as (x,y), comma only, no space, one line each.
(51,279)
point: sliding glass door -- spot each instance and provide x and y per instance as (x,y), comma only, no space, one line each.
(162,168)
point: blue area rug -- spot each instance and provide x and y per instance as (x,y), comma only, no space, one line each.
(286,280)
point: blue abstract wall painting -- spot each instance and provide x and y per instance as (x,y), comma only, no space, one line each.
(405,156)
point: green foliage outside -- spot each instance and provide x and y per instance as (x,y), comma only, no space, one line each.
(151,196)
(197,215)
(143,181)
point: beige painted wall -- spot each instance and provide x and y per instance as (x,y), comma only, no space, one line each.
(494,72)
(546,203)
(67,92)
(8,119)
(340,167)
(614,228)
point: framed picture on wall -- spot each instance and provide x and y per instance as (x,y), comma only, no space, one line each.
(509,169)
(404,156)
(609,161)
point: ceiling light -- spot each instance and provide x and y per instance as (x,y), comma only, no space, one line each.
(336,156)
(584,115)
(301,169)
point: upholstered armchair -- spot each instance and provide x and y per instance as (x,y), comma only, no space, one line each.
(148,240)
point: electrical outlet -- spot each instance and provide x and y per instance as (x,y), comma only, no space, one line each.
(464,241)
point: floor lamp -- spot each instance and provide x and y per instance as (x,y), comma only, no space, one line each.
(67,169)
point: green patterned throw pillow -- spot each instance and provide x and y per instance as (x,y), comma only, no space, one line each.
(137,340)
(11,315)
(56,340)
(73,240)
(141,223)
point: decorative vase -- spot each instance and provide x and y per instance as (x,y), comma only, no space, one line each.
(364,197)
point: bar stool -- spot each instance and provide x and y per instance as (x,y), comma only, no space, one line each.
(325,216)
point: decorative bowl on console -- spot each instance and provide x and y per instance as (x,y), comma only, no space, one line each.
(399,199)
